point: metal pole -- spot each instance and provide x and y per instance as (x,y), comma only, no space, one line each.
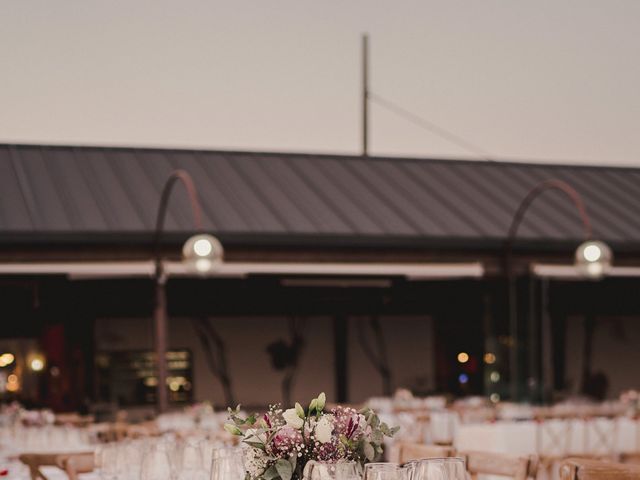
(575,197)
(160,316)
(365,95)
(547,344)
(161,327)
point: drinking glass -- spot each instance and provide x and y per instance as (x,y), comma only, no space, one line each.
(156,464)
(333,471)
(382,471)
(227,464)
(109,462)
(191,465)
(129,460)
(440,469)
(407,471)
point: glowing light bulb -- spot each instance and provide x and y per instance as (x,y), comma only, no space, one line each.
(37,364)
(489,358)
(463,357)
(593,259)
(202,253)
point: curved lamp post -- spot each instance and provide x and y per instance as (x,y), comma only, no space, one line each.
(592,257)
(201,253)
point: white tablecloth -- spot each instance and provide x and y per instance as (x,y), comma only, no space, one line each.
(523,437)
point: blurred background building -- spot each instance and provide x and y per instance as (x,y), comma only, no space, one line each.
(349,274)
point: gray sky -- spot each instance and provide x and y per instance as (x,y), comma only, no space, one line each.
(555,80)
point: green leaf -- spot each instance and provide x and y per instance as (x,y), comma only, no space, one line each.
(377,436)
(232,429)
(365,411)
(270,473)
(284,468)
(369,452)
(322,400)
(299,410)
(374,422)
(258,445)
(251,420)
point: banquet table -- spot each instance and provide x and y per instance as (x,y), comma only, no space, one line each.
(599,436)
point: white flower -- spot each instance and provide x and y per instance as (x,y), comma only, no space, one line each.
(293,420)
(324,429)
(255,462)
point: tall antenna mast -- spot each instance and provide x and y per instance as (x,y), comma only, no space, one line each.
(365,95)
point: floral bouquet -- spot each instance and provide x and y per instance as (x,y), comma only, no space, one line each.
(281,443)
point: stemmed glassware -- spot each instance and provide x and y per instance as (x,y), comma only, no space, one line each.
(191,465)
(382,471)
(333,471)
(227,464)
(156,464)
(451,468)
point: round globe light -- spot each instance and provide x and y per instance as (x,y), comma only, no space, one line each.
(202,253)
(593,259)
(37,363)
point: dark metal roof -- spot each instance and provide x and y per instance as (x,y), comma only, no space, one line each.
(101,194)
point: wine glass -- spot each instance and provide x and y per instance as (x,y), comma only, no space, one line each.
(451,468)
(407,470)
(109,462)
(191,465)
(381,471)
(129,460)
(343,470)
(156,464)
(227,464)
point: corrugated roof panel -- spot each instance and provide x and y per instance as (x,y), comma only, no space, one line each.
(111,194)
(335,198)
(92,190)
(258,215)
(507,189)
(595,203)
(438,212)
(52,214)
(548,210)
(219,211)
(321,213)
(272,194)
(382,213)
(451,201)
(478,204)
(614,200)
(74,190)
(407,207)
(14,210)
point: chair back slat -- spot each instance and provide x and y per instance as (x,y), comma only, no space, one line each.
(75,463)
(587,469)
(516,467)
(418,451)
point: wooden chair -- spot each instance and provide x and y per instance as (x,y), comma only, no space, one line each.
(76,463)
(586,469)
(36,460)
(512,466)
(632,458)
(417,451)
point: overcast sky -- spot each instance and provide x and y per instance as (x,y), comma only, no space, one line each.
(546,80)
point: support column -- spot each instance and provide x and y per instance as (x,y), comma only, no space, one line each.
(341,363)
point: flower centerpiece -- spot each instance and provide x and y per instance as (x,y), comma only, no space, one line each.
(281,443)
